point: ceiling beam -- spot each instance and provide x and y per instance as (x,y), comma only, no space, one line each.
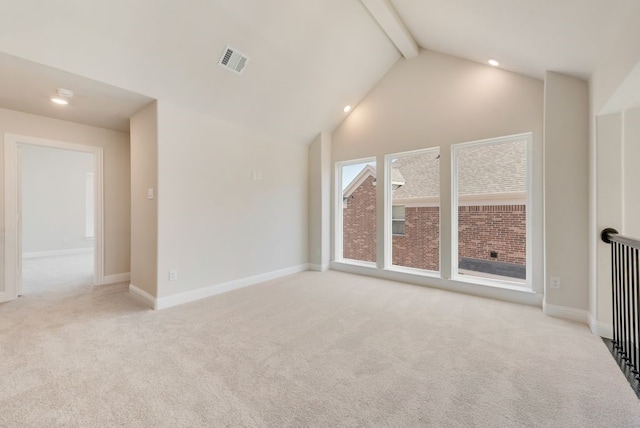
(387,17)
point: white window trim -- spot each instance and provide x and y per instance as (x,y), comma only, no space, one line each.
(338,213)
(528,284)
(388,217)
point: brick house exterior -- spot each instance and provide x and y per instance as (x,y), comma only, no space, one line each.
(490,227)
(359,223)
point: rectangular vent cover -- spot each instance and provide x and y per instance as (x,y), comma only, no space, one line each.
(233,60)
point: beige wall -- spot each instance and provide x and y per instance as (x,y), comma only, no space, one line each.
(116,176)
(320,201)
(566,174)
(438,100)
(144,211)
(215,222)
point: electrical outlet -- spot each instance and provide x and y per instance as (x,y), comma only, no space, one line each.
(555,282)
(173,275)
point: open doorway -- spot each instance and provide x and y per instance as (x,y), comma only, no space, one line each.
(53,215)
(56,200)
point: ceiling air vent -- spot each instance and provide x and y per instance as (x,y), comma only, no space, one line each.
(233,60)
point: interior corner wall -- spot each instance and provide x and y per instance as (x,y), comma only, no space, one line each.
(232,202)
(566,200)
(631,174)
(320,202)
(439,100)
(609,193)
(115,147)
(144,210)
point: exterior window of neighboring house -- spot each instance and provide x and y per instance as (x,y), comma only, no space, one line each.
(356,220)
(414,208)
(491,210)
(397,220)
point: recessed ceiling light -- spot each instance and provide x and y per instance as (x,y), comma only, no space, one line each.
(347,109)
(493,62)
(62,96)
(60,101)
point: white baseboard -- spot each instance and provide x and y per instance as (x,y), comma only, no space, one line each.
(319,268)
(600,329)
(116,278)
(54,253)
(143,296)
(565,312)
(204,292)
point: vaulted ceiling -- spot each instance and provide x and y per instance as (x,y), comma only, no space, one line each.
(308,58)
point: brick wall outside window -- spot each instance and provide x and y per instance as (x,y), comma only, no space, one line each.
(482,229)
(359,223)
(499,228)
(420,245)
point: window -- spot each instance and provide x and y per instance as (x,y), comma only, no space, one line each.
(414,208)
(397,219)
(356,223)
(491,199)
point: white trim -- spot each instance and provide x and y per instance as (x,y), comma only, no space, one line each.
(142,296)
(455,148)
(565,313)
(12,244)
(212,290)
(338,211)
(600,329)
(57,253)
(522,296)
(116,278)
(319,267)
(389,202)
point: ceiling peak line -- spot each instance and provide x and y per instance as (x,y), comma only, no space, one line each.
(386,16)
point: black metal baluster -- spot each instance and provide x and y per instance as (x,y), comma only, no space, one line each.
(636,287)
(632,309)
(614,294)
(625,297)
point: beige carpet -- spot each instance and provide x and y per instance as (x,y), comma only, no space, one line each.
(321,350)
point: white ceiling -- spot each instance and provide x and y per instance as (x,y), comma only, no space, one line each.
(526,36)
(308,58)
(27,87)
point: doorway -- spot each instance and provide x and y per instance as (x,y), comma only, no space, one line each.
(53,215)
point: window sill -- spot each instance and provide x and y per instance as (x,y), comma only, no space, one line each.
(414,271)
(490,289)
(359,263)
(507,285)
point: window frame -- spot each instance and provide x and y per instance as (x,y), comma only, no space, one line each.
(388,216)
(455,275)
(339,212)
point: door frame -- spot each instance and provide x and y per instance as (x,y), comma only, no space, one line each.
(12,220)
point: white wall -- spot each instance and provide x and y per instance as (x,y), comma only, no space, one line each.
(54,198)
(566,174)
(215,222)
(144,211)
(631,174)
(438,100)
(116,177)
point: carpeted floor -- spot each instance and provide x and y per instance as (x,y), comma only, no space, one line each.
(56,273)
(315,349)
